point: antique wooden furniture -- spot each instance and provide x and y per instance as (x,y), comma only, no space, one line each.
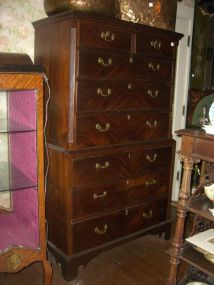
(22,215)
(109,132)
(195,146)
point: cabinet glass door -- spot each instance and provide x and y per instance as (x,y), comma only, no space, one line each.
(19,224)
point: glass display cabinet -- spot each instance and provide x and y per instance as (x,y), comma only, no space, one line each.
(22,195)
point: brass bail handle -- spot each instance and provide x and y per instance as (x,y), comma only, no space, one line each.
(153,94)
(156,44)
(154,67)
(108,36)
(101,231)
(103,129)
(147,216)
(103,63)
(150,158)
(103,94)
(104,166)
(152,125)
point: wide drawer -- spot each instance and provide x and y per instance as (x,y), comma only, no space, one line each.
(120,127)
(154,45)
(104,36)
(110,66)
(134,163)
(106,228)
(122,95)
(109,196)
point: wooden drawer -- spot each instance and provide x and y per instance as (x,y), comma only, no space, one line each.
(154,45)
(109,66)
(95,169)
(145,215)
(109,196)
(99,198)
(147,186)
(97,231)
(117,128)
(104,36)
(122,96)
(150,159)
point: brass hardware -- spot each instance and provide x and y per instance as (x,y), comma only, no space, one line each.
(153,94)
(14,261)
(156,44)
(100,196)
(126,212)
(129,155)
(99,166)
(152,125)
(100,129)
(151,182)
(128,117)
(151,159)
(108,36)
(147,216)
(101,231)
(100,92)
(154,67)
(102,62)
(130,86)
(131,59)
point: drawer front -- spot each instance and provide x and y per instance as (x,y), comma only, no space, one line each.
(122,96)
(148,186)
(95,169)
(109,196)
(145,215)
(97,231)
(100,198)
(154,45)
(109,66)
(150,159)
(116,128)
(104,36)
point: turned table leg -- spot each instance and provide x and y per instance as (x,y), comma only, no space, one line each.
(47,273)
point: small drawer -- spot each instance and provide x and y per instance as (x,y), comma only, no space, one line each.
(100,168)
(155,45)
(122,96)
(100,198)
(145,215)
(148,186)
(104,36)
(97,231)
(117,128)
(151,159)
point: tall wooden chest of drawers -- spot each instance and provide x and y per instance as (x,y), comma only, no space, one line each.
(109,132)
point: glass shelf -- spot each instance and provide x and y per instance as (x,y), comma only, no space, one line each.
(17,111)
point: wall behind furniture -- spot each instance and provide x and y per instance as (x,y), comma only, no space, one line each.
(16,30)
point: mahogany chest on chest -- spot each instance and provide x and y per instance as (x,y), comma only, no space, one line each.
(109,132)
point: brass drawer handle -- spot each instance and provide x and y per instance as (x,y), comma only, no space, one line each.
(156,44)
(152,125)
(99,166)
(153,94)
(102,62)
(101,231)
(108,36)
(151,159)
(100,129)
(151,182)
(147,216)
(100,92)
(130,86)
(154,67)
(100,196)
(131,59)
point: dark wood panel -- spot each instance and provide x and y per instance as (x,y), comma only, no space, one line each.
(98,230)
(99,168)
(92,96)
(104,36)
(104,66)
(117,128)
(155,45)
(143,216)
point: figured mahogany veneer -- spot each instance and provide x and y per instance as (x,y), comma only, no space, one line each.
(109,132)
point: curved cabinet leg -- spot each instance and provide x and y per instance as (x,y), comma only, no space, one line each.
(48,272)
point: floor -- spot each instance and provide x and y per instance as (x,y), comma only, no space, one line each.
(140,262)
